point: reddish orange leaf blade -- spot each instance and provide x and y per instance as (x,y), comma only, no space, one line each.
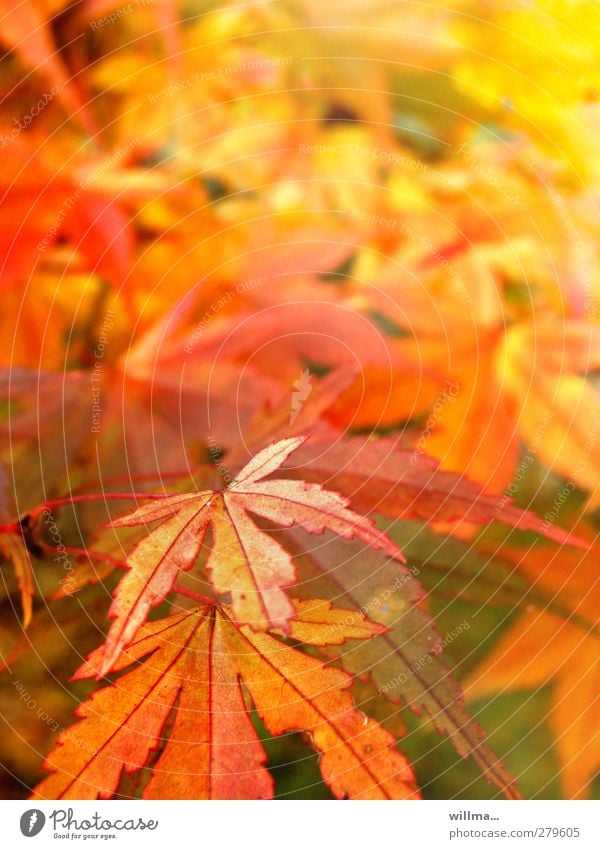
(318,623)
(268,461)
(154,566)
(402,661)
(315,509)
(245,561)
(213,751)
(197,661)
(250,565)
(382,477)
(293,691)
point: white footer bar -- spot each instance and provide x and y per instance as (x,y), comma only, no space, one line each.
(301,825)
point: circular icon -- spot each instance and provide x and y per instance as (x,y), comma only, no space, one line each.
(32,822)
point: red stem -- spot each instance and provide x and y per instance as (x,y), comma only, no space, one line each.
(59,502)
(203,599)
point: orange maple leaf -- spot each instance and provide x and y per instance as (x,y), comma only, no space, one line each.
(198,660)
(244,560)
(544,647)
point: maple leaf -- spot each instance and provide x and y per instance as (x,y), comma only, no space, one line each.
(244,560)
(403,660)
(380,476)
(196,662)
(549,382)
(364,253)
(475,570)
(545,647)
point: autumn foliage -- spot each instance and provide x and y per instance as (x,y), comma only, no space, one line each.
(299,408)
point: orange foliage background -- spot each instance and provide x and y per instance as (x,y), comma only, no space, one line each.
(227,224)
